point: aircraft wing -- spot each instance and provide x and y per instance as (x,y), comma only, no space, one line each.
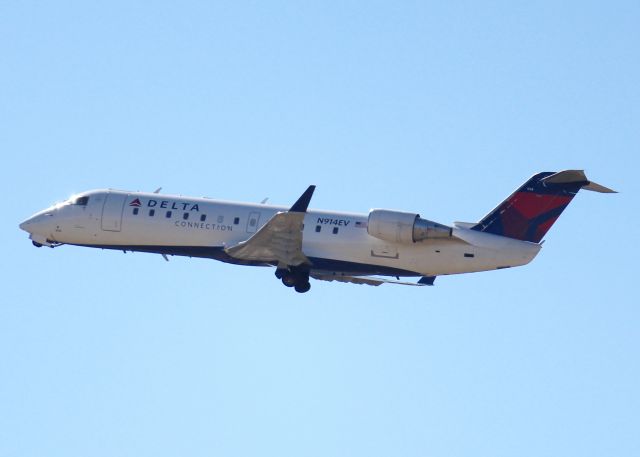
(370,280)
(279,241)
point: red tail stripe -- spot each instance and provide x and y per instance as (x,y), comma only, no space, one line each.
(531,205)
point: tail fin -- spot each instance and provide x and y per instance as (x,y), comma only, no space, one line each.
(530,211)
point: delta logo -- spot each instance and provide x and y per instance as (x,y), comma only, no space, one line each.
(185,206)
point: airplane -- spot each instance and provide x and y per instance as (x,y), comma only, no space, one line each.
(301,244)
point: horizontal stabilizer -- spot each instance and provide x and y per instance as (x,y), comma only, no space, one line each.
(595,187)
(576,177)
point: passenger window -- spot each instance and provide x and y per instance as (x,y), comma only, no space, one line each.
(318,228)
(220,219)
(168,214)
(252,222)
(185,216)
(135,211)
(335,230)
(203,217)
(236,220)
(152,212)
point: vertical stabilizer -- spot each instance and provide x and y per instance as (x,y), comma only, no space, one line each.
(529,212)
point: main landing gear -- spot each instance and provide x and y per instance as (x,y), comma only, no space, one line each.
(294,277)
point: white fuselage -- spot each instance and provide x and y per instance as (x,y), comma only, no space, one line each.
(333,241)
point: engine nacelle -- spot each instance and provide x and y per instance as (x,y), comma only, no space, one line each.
(401,227)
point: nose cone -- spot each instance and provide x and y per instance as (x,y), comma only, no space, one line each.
(38,223)
(25,225)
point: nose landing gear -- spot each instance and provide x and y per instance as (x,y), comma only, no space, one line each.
(294,277)
(39,241)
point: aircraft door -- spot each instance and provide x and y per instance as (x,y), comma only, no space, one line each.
(253,221)
(112,212)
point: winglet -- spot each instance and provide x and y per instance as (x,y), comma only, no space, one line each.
(427,280)
(302,204)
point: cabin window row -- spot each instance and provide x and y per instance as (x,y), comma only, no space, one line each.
(185,216)
(203,217)
(319,229)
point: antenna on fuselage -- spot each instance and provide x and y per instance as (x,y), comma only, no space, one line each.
(264,201)
(157,190)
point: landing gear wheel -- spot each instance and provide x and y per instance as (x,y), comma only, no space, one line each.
(294,277)
(289,280)
(36,244)
(303,287)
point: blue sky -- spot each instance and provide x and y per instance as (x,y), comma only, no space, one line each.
(436,107)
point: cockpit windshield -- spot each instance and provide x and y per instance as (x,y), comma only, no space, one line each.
(82,201)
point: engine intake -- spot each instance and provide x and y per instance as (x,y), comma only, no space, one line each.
(401,227)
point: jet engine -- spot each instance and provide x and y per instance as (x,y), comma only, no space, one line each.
(401,227)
